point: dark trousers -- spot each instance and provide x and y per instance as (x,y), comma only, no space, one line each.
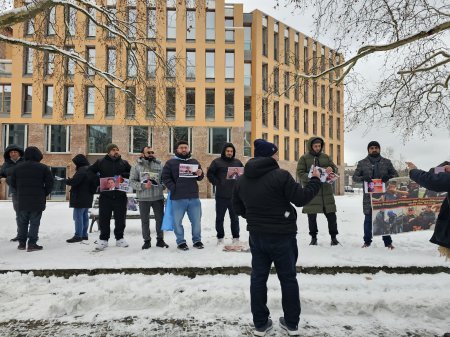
(33,219)
(15,203)
(158,211)
(368,231)
(332,224)
(107,206)
(222,204)
(282,251)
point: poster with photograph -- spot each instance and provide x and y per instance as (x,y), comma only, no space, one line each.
(188,171)
(404,207)
(324,176)
(149,177)
(375,186)
(235,172)
(115,183)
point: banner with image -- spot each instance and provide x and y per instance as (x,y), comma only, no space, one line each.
(188,171)
(234,172)
(116,183)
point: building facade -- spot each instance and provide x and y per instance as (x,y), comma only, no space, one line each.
(207,73)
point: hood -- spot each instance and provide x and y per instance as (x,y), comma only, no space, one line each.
(310,141)
(32,153)
(12,147)
(80,160)
(222,154)
(257,167)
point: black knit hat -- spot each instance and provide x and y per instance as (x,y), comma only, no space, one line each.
(373,143)
(111,146)
(264,149)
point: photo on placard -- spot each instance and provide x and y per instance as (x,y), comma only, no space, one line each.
(234,172)
(188,171)
(149,177)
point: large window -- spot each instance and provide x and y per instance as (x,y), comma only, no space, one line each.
(110,101)
(338,158)
(264,112)
(28,64)
(229,103)
(330,127)
(265,75)
(177,134)
(48,100)
(190,103)
(140,136)
(111,59)
(170,102)
(296,51)
(286,148)
(305,56)
(218,137)
(296,119)
(171,24)
(90,56)
(27,99)
(247,38)
(49,60)
(98,137)
(113,15)
(70,63)
(322,125)
(210,103)
(265,37)
(210,25)
(276,81)
(287,55)
(247,143)
(51,21)
(314,123)
(338,128)
(322,96)
(15,134)
(190,64)
(315,93)
(150,103)
(71,17)
(131,63)
(314,57)
(131,102)
(247,109)
(210,64)
(5,98)
(338,101)
(296,149)
(276,115)
(90,101)
(276,41)
(287,117)
(69,100)
(91,28)
(330,99)
(57,138)
(132,22)
(286,84)
(306,92)
(229,65)
(247,79)
(171,63)
(29,29)
(190,25)
(151,63)
(151,23)
(229,23)
(306,121)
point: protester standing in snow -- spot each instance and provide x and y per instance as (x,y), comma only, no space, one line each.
(324,202)
(111,201)
(13,156)
(374,166)
(184,194)
(149,195)
(263,196)
(217,175)
(33,182)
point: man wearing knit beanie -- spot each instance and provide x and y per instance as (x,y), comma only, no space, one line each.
(110,147)
(263,196)
(374,166)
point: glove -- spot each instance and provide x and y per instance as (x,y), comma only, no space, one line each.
(385,179)
(367,179)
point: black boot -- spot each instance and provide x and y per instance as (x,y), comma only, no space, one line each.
(161,243)
(33,247)
(313,241)
(334,241)
(75,239)
(14,239)
(147,244)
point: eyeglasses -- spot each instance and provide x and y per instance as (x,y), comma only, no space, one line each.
(150,152)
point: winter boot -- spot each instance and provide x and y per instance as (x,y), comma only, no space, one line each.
(220,242)
(22,246)
(33,247)
(313,241)
(75,239)
(334,241)
(183,246)
(14,239)
(147,244)
(198,245)
(160,243)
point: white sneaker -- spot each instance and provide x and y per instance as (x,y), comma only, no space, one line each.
(235,241)
(101,245)
(219,242)
(121,243)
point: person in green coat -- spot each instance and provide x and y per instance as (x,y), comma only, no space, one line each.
(324,201)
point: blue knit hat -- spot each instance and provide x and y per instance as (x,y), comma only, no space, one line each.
(264,149)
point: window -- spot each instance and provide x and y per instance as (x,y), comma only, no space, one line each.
(247,109)
(5,98)
(90,101)
(48,100)
(322,125)
(306,121)
(132,24)
(265,75)
(15,134)
(229,103)
(296,51)
(69,98)
(247,144)
(330,99)
(276,81)
(71,17)
(287,117)
(229,23)
(265,37)
(322,96)
(286,84)
(276,115)
(190,103)
(140,136)
(264,136)
(151,63)
(247,38)
(264,112)
(218,137)
(177,134)
(296,119)
(330,127)
(296,149)
(131,63)
(296,88)
(314,69)
(151,23)
(306,92)
(247,79)
(338,159)
(29,29)
(70,63)
(210,106)
(286,46)
(171,32)
(49,59)
(131,102)
(99,136)
(331,152)
(286,148)
(315,123)
(91,27)
(190,25)
(171,63)
(170,102)
(27,99)
(57,138)
(28,54)
(338,128)
(150,104)
(210,25)
(90,56)
(111,59)
(322,58)
(229,65)
(110,101)
(276,140)
(113,24)
(338,101)
(305,56)
(276,41)
(51,21)
(210,55)
(190,64)
(305,146)
(315,93)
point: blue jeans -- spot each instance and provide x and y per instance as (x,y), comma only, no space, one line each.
(283,252)
(81,218)
(193,208)
(368,231)
(222,204)
(32,218)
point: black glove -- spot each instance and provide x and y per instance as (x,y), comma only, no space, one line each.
(367,179)
(385,179)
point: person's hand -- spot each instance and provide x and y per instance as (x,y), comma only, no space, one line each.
(410,165)
(367,179)
(385,178)
(148,185)
(447,168)
(199,172)
(315,173)
(329,170)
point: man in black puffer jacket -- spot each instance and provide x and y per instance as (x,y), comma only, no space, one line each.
(33,182)
(111,201)
(217,175)
(263,195)
(81,196)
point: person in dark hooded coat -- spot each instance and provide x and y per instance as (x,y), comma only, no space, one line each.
(33,182)
(81,197)
(217,175)
(13,156)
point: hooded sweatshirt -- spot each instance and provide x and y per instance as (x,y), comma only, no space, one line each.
(9,164)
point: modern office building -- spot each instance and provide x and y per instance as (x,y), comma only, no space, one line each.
(204,72)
